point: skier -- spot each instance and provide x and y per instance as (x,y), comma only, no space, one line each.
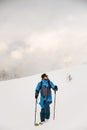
(44,87)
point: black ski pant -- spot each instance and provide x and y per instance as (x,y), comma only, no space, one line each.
(45,112)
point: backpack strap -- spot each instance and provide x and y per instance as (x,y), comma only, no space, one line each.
(48,84)
(40,84)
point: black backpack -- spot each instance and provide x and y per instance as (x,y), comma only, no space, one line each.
(44,90)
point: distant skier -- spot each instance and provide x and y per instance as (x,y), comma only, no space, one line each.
(44,87)
(69,77)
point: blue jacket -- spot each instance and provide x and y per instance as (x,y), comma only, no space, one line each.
(42,99)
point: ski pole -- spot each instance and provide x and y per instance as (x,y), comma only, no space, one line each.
(35,112)
(54,105)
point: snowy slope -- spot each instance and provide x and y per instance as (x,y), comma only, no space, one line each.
(17,102)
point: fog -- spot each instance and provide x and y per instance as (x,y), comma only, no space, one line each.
(39,36)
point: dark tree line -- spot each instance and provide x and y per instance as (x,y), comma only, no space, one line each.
(6,75)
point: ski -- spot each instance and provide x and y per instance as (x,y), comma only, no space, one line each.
(36,124)
(41,123)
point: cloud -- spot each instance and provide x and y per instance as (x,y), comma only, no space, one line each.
(19,49)
(3,47)
(45,40)
(42,35)
(16,45)
(17,54)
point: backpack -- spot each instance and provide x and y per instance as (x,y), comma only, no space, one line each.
(44,90)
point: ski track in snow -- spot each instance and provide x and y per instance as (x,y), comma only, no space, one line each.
(17,102)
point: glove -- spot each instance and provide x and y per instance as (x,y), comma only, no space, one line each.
(56,88)
(36,94)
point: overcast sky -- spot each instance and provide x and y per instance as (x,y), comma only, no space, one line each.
(42,35)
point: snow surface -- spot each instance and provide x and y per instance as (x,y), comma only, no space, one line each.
(17,102)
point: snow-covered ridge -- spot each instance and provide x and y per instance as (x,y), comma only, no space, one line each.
(17,101)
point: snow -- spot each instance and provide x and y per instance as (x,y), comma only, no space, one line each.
(17,102)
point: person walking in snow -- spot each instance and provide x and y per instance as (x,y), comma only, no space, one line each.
(44,88)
